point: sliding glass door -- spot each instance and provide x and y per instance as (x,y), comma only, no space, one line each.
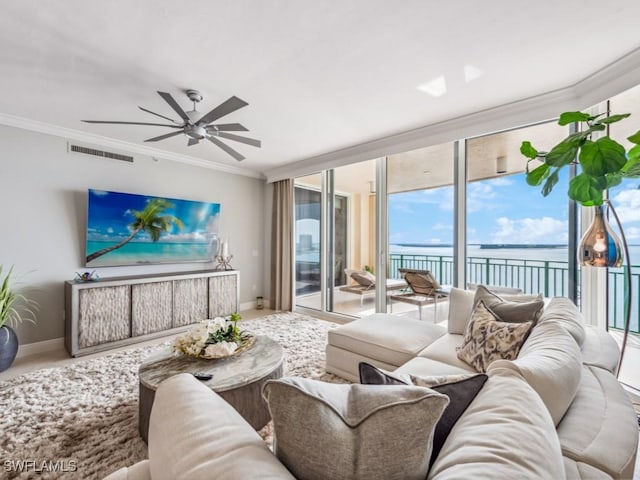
(308,241)
(335,221)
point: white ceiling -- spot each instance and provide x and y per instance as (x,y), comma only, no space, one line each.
(319,76)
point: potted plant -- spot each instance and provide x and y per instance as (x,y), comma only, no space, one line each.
(14,309)
(604,163)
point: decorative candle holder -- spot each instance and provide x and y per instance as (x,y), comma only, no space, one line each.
(224,262)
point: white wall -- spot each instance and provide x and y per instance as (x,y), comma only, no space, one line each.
(43,194)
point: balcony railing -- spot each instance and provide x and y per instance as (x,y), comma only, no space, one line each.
(551,278)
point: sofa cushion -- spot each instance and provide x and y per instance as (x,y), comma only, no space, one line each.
(444,350)
(345,363)
(325,430)
(461,304)
(563,311)
(461,390)
(601,428)
(550,362)
(391,339)
(138,471)
(195,434)
(487,339)
(600,349)
(502,435)
(424,367)
(583,471)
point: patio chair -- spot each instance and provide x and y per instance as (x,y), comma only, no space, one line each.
(425,290)
(364,283)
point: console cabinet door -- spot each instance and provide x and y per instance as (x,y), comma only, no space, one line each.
(104,315)
(223,294)
(151,307)
(190,301)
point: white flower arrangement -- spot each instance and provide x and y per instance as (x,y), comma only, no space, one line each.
(211,338)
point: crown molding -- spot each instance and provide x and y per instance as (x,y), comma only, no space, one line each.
(99,140)
(610,80)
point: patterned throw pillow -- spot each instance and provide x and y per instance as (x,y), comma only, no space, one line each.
(461,390)
(488,339)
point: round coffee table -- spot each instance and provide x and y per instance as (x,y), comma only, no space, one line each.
(238,379)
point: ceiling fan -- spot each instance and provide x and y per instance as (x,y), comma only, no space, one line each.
(199,127)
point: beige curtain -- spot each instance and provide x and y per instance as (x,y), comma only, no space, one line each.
(282,268)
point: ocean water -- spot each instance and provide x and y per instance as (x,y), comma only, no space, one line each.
(140,253)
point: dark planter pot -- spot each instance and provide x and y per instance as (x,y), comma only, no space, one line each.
(8,347)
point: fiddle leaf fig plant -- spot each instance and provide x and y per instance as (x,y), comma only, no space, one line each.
(604,162)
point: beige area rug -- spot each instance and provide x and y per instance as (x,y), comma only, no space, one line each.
(84,417)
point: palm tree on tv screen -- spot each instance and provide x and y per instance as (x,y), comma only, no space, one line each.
(150,220)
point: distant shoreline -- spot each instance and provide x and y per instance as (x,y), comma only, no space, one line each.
(485,246)
(491,246)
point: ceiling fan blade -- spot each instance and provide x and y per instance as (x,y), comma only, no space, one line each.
(228,127)
(231,105)
(162,137)
(193,141)
(132,123)
(237,138)
(156,114)
(226,148)
(173,104)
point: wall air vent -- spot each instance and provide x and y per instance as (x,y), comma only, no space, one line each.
(100,153)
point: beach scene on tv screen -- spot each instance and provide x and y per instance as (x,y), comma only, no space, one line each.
(130,229)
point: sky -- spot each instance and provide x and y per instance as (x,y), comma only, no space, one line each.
(110,215)
(500,210)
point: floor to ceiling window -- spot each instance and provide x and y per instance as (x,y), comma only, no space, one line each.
(420,218)
(516,237)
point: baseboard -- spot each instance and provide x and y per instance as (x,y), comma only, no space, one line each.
(40,347)
(252,305)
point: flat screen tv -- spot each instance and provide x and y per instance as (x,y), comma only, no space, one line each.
(128,229)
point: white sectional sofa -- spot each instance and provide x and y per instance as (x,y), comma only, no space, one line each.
(570,366)
(556,411)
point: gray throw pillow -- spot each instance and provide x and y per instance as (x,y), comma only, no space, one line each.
(507,311)
(356,432)
(461,390)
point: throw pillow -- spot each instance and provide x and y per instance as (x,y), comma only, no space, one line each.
(488,339)
(364,279)
(372,375)
(507,311)
(325,430)
(461,390)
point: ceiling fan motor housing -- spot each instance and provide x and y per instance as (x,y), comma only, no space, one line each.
(195,131)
